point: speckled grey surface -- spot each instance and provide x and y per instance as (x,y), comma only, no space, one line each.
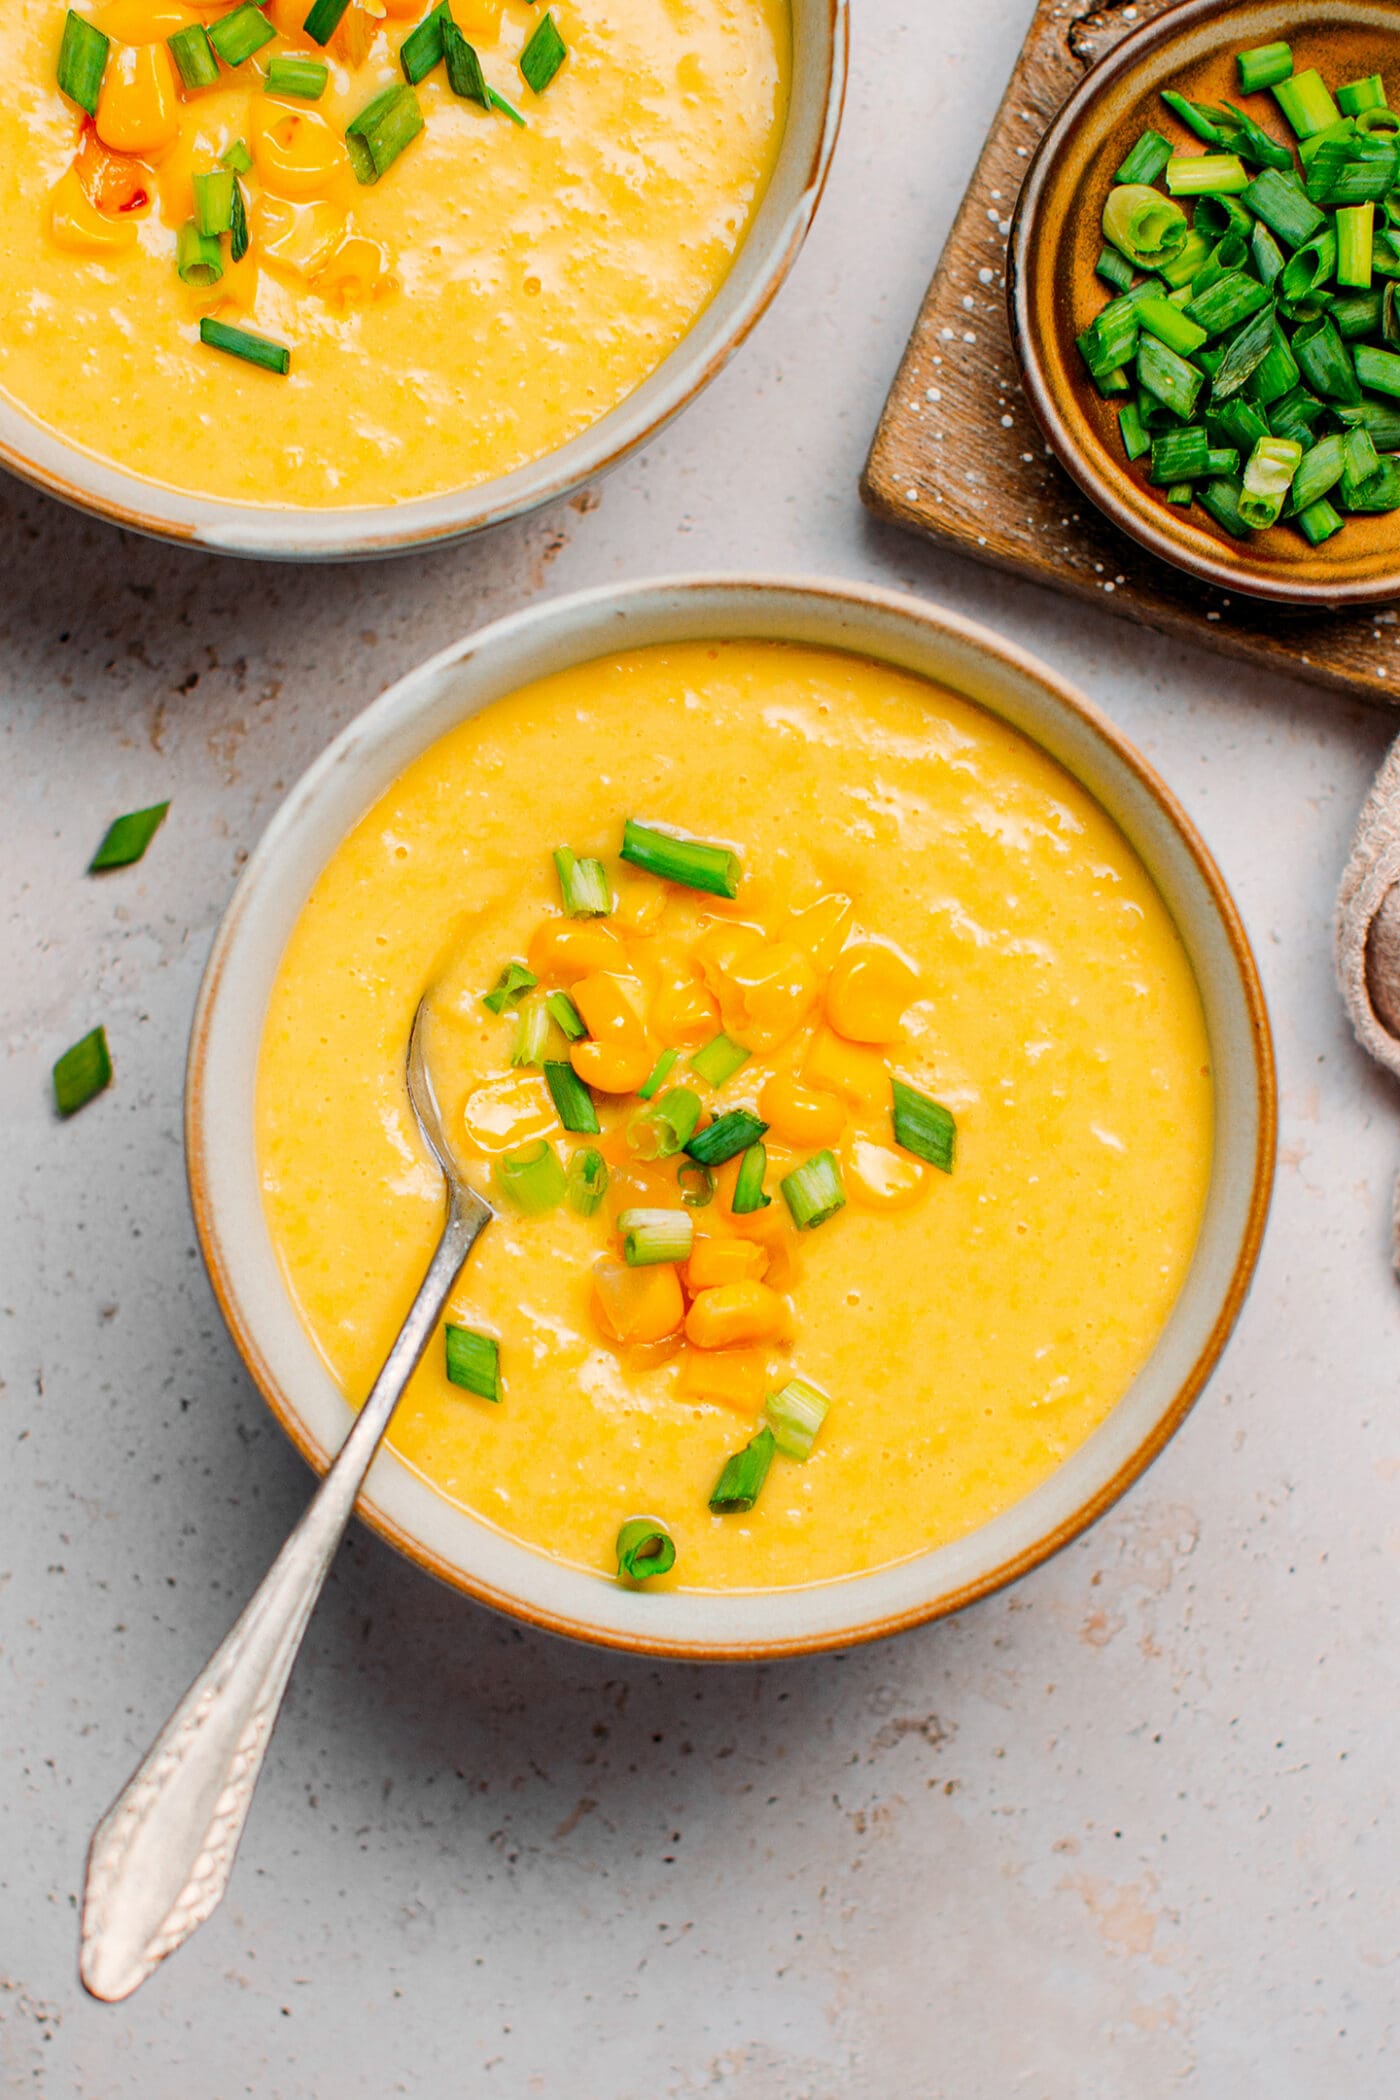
(1127,1828)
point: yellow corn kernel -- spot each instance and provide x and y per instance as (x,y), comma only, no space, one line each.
(613,1068)
(355,34)
(612,1005)
(302,238)
(856,1074)
(639,901)
(77,225)
(736,1378)
(404,10)
(734,1314)
(822,928)
(879,1177)
(478,20)
(570,948)
(141,21)
(765,988)
(138,110)
(636,1305)
(356,274)
(869,989)
(715,1261)
(684,1013)
(507,1112)
(296,152)
(799,1115)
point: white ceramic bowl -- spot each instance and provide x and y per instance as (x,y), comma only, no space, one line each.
(819,38)
(350,777)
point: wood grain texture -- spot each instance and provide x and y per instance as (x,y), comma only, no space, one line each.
(958,455)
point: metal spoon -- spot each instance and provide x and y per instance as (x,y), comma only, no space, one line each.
(161,1857)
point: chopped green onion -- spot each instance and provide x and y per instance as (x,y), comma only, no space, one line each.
(1193,174)
(1146,160)
(305,78)
(82,61)
(1253,143)
(382,130)
(1170,326)
(676,857)
(662,1129)
(1360,460)
(1181,268)
(241,342)
(1305,102)
(794,1415)
(198,256)
(531,1179)
(1168,376)
(127,838)
(324,20)
(658,1074)
(238,157)
(1284,206)
(571,1098)
(1147,227)
(813,1192)
(531,1033)
(1180,455)
(82,1072)
(1132,430)
(696,1184)
(1353,174)
(1261,352)
(1268,476)
(1197,117)
(1340,132)
(1263,67)
(1357,95)
(194,56)
(422,48)
(583,885)
(238,232)
(474,1361)
(510,988)
(1266,252)
(1114,268)
(739,1485)
(1321,357)
(507,109)
(213,201)
(1309,266)
(748,1189)
(1380,493)
(1227,302)
(923,1126)
(1238,422)
(1293,417)
(565,1016)
(1182,493)
(651,1236)
(1356,225)
(464,74)
(1377,369)
(719,1060)
(543,55)
(1222,459)
(1319,470)
(1378,124)
(731,1133)
(586,1183)
(237,36)
(1221,501)
(1381,418)
(1318,522)
(645,1548)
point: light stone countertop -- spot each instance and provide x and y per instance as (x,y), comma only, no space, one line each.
(1124,1829)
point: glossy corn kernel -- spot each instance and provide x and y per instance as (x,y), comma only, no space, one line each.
(635,1187)
(732,1315)
(639,901)
(799,1115)
(715,1261)
(567,949)
(301,238)
(736,1378)
(857,1075)
(113,182)
(684,1013)
(297,154)
(879,1178)
(79,227)
(478,20)
(357,273)
(504,1113)
(868,992)
(141,21)
(636,1305)
(822,929)
(612,1067)
(138,110)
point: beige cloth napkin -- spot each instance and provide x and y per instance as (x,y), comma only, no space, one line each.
(1368,928)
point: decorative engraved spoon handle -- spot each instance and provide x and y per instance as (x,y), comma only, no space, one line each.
(160,1858)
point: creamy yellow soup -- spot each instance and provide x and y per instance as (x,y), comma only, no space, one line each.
(969,1329)
(494,293)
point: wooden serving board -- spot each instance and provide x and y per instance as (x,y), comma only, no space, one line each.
(959,456)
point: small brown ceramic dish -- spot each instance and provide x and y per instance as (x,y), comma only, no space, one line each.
(1053,294)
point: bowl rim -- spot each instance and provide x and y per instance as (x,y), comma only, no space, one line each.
(44,459)
(1102,488)
(846,604)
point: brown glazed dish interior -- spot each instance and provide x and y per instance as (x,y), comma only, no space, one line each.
(1053,293)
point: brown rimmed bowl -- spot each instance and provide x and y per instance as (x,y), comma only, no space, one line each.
(351,776)
(1053,294)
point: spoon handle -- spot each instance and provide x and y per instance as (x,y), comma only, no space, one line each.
(160,1858)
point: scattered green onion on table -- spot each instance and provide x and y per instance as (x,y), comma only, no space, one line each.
(1251,341)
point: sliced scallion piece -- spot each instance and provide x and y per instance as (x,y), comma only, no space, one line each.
(1170,378)
(813,1192)
(645,1548)
(464,74)
(198,257)
(696,1184)
(719,1060)
(324,20)
(1318,522)
(531,1033)
(1148,227)
(82,61)
(1357,95)
(1264,67)
(1284,206)
(732,1133)
(213,201)
(1146,160)
(382,130)
(923,1126)
(194,57)
(1306,102)
(474,1362)
(507,109)
(658,1074)
(543,55)
(651,1236)
(127,838)
(238,231)
(237,36)
(1197,117)
(748,1189)
(510,988)
(586,1182)
(532,1178)
(1198,174)
(1356,225)
(421,49)
(583,885)
(237,157)
(571,1098)
(741,1482)
(565,1016)
(661,1129)
(82,1072)
(794,1415)
(676,857)
(1268,476)
(241,342)
(1377,369)
(304,78)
